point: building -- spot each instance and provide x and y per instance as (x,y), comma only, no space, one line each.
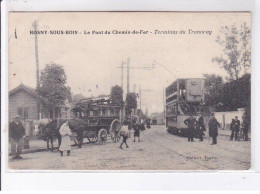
(157,118)
(23,101)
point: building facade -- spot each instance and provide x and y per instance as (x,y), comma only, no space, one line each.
(157,118)
(23,101)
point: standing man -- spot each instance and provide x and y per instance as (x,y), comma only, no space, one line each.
(235,125)
(190,122)
(245,126)
(16,134)
(200,126)
(213,128)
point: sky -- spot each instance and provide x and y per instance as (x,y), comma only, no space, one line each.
(91,61)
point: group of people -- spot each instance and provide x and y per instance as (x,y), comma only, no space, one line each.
(237,129)
(196,125)
(137,126)
(17,134)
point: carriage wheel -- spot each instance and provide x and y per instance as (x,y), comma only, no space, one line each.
(115,128)
(102,136)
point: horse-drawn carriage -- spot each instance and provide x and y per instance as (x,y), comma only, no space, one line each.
(94,119)
(102,119)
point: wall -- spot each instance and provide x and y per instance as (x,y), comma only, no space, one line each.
(225,118)
(22,99)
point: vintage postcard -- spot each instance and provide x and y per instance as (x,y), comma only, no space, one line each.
(129,91)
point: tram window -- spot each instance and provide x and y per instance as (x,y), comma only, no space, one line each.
(112,112)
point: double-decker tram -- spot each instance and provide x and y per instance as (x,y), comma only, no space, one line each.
(183,98)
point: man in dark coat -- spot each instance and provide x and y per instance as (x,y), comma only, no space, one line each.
(191,123)
(16,134)
(213,128)
(245,126)
(235,126)
(200,126)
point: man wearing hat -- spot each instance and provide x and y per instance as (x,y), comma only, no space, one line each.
(213,128)
(16,134)
(235,126)
(190,122)
(200,126)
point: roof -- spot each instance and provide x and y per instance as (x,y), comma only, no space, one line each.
(29,90)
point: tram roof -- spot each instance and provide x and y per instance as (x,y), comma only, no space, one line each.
(182,79)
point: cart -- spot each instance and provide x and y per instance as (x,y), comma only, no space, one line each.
(102,119)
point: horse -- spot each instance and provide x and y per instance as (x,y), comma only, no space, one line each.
(51,131)
(41,124)
(78,126)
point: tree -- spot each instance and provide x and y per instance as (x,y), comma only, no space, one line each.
(117,95)
(235,94)
(235,43)
(213,86)
(77,97)
(131,102)
(53,84)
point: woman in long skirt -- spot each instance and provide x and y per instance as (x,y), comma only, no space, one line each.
(65,133)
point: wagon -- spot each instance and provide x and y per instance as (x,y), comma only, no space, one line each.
(102,119)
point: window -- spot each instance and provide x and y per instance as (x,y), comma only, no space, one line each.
(103,112)
(112,112)
(23,112)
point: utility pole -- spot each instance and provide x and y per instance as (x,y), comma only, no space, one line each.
(122,75)
(164,106)
(35,25)
(122,86)
(128,84)
(140,97)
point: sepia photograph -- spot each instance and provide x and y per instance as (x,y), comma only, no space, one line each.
(142,91)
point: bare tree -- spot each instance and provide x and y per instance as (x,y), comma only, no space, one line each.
(235,43)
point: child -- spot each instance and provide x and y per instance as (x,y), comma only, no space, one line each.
(124,133)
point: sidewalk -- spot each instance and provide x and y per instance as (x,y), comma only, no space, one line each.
(225,132)
(37,146)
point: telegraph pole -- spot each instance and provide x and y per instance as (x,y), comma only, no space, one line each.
(35,25)
(122,86)
(128,84)
(122,75)
(164,106)
(140,96)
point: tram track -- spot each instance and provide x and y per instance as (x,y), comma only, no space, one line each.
(216,154)
(197,148)
(179,154)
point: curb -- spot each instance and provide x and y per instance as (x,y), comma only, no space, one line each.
(29,151)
